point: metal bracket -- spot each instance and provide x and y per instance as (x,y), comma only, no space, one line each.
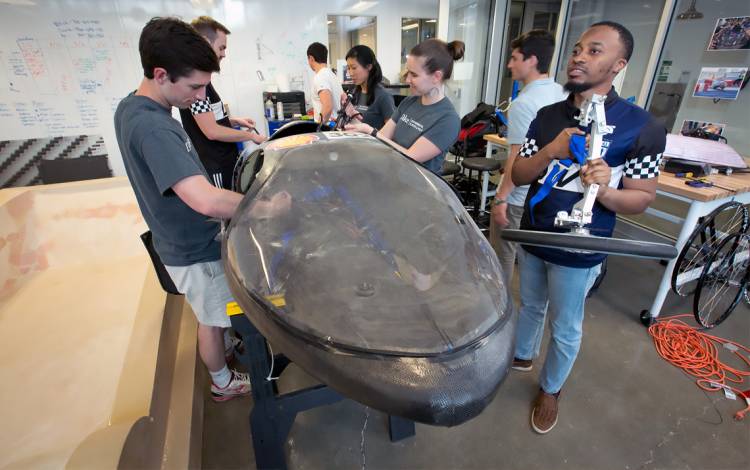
(591,112)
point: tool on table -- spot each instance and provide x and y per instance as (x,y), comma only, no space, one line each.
(702,182)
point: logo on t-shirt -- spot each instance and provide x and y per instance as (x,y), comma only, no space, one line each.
(412,123)
(570,180)
(188,145)
(218,109)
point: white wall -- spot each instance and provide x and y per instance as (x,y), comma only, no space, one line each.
(686,48)
(277,32)
(641,18)
(469,22)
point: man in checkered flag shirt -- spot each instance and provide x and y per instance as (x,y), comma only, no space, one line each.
(210,127)
(556,281)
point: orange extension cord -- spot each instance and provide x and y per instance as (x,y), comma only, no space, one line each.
(697,353)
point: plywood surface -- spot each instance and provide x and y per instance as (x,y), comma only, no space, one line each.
(79,308)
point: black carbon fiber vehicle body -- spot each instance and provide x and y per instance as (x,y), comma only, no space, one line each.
(366,271)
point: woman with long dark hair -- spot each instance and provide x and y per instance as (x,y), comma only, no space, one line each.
(425,124)
(371,103)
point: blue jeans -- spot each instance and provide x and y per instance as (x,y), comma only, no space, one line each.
(563,291)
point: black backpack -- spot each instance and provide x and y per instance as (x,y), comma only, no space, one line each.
(474,126)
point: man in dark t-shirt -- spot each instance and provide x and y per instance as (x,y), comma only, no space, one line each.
(172,188)
(207,122)
(558,280)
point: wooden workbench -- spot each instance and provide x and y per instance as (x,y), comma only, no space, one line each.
(740,182)
(496,139)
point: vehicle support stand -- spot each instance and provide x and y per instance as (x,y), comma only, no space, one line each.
(273,413)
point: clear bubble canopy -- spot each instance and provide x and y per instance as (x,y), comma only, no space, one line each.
(352,245)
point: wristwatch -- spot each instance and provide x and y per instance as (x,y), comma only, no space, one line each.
(496,201)
(374,132)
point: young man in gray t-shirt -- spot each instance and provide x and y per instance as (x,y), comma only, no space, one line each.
(172,188)
(529,63)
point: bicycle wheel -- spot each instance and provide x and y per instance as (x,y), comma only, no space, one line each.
(722,281)
(746,294)
(725,220)
(591,243)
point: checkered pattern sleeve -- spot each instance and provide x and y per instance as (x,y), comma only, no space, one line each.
(644,167)
(528,148)
(200,106)
(643,161)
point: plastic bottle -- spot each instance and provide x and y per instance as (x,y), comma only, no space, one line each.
(269,109)
(280,110)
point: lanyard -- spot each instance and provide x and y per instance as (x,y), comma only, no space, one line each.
(578,151)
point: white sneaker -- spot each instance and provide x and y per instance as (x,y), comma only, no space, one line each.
(238,386)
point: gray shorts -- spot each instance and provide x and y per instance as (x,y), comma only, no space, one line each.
(205,287)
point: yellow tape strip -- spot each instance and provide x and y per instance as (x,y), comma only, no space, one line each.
(233,309)
(277,300)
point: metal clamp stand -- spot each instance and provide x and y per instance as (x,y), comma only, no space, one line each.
(273,413)
(342,119)
(580,215)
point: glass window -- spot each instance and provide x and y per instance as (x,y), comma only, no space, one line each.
(641,18)
(469,21)
(715,41)
(346,31)
(525,16)
(414,31)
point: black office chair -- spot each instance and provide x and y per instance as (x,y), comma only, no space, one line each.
(480,165)
(450,169)
(64,170)
(161,272)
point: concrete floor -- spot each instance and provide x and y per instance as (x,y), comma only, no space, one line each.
(622,407)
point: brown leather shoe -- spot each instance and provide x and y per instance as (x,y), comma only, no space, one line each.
(544,413)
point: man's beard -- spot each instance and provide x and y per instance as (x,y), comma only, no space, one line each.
(574,88)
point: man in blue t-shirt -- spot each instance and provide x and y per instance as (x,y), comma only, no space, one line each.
(172,188)
(558,280)
(529,64)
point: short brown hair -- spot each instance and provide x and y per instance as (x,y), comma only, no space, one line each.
(208,27)
(538,43)
(438,55)
(175,46)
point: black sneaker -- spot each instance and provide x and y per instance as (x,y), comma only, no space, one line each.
(524,365)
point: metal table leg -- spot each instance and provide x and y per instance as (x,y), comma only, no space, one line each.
(485,179)
(695,211)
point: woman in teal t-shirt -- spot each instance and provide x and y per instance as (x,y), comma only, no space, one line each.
(370,103)
(425,124)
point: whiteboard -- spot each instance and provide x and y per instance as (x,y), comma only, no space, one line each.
(66,64)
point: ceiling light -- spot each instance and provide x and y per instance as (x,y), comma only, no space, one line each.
(431,21)
(410,26)
(205,4)
(363,5)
